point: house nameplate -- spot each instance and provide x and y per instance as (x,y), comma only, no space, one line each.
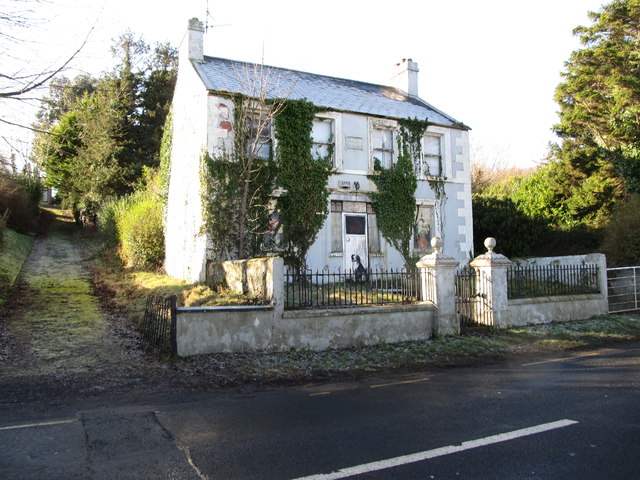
(355,143)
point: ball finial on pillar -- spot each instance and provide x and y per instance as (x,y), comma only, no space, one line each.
(490,244)
(436,243)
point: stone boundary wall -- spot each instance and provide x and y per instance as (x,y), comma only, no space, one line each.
(562,308)
(270,328)
(266,328)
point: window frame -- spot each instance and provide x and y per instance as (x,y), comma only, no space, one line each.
(391,151)
(336,129)
(259,114)
(383,124)
(444,142)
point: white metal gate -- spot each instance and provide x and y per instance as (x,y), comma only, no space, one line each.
(623,285)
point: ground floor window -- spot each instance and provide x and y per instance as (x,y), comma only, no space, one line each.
(423,229)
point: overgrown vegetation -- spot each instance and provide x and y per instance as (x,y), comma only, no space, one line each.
(304,203)
(100,133)
(133,224)
(20,193)
(395,202)
(570,200)
(126,289)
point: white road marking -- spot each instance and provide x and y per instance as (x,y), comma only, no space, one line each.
(41,424)
(439,452)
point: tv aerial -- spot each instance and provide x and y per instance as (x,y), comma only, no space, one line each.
(209,16)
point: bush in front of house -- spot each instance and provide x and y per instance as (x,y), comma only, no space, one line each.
(133,224)
(140,231)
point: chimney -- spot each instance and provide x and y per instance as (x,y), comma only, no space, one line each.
(195,33)
(405,77)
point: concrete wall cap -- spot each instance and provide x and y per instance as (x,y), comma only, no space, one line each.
(490,259)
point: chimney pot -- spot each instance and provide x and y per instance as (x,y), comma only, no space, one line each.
(405,77)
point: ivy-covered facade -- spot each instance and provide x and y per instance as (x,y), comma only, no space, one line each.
(357,133)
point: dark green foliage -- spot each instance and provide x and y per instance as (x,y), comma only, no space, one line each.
(516,234)
(304,205)
(621,242)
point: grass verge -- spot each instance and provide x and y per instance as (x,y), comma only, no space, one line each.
(14,250)
(127,290)
(475,346)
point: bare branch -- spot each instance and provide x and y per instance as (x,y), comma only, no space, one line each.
(42,78)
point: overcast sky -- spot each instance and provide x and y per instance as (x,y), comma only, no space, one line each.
(491,64)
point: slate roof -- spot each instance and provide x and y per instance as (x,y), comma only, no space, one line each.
(223,75)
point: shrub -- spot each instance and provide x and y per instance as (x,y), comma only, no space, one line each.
(20,195)
(107,217)
(516,234)
(140,232)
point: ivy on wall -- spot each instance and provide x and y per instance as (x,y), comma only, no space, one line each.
(236,190)
(304,204)
(165,160)
(227,179)
(395,201)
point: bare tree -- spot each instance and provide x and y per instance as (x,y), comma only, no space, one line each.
(265,91)
(19,79)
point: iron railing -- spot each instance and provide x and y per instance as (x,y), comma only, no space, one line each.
(530,281)
(159,324)
(350,289)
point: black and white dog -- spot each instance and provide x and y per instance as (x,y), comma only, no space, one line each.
(358,269)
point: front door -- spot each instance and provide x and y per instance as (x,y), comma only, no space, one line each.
(355,242)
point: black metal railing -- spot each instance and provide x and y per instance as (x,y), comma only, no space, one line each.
(159,324)
(350,289)
(550,280)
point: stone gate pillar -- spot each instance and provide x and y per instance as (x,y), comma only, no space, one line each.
(492,286)
(437,272)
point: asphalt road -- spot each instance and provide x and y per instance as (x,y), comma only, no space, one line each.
(573,416)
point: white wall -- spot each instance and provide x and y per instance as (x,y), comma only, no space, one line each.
(185,245)
(203,122)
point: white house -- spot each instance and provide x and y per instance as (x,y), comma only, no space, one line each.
(361,122)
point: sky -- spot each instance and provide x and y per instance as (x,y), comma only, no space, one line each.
(491,64)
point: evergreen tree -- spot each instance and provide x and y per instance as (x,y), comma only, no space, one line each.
(599,98)
(100,134)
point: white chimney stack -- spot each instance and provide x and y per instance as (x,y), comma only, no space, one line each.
(195,40)
(405,77)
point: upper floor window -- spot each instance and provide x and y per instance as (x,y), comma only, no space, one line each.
(323,135)
(431,156)
(259,135)
(382,141)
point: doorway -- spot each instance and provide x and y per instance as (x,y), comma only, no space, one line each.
(356,253)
